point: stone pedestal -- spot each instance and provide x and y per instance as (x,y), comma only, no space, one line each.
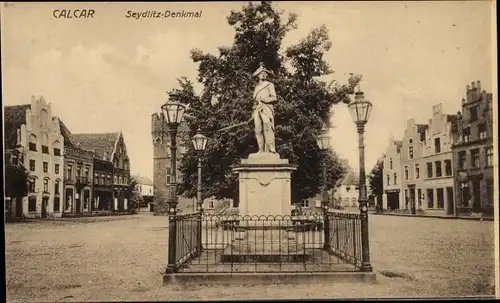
(265,196)
(264,185)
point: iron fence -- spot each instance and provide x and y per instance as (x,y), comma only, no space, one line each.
(187,237)
(230,243)
(345,237)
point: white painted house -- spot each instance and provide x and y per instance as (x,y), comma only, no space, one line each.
(346,192)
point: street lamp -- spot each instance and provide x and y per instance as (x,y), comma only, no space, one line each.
(199,143)
(360,112)
(172,113)
(324,145)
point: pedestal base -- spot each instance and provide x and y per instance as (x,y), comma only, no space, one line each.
(266,246)
(264,185)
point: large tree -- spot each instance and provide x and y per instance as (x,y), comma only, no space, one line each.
(376,179)
(304,102)
(16,182)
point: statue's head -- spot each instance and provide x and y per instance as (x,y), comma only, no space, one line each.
(261,73)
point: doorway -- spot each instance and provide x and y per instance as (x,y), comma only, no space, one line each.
(19,207)
(77,203)
(45,202)
(412,200)
(476,195)
(450,207)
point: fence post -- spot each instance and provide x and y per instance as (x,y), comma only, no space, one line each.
(326,229)
(172,240)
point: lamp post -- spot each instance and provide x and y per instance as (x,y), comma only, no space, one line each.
(199,144)
(172,113)
(360,112)
(324,145)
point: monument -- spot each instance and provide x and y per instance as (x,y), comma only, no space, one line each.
(265,231)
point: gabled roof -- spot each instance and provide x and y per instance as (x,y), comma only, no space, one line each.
(143,180)
(69,139)
(350,179)
(14,117)
(99,143)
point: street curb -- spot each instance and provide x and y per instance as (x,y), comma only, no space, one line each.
(437,217)
(268,278)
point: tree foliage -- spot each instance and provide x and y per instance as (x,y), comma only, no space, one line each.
(304,102)
(16,181)
(376,178)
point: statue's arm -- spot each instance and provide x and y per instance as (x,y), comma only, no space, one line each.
(272,98)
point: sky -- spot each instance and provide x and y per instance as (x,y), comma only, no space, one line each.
(111,73)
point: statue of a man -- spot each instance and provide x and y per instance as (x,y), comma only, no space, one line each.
(263,111)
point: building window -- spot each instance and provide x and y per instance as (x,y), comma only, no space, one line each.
(211,204)
(115,179)
(32,204)
(169,175)
(56,187)
(120,180)
(69,173)
(57,151)
(439,171)
(390,163)
(430,198)
(78,172)
(462,160)
(388,179)
(473,114)
(474,155)
(304,203)
(406,173)
(45,185)
(440,197)
(410,152)
(429,170)
(96,178)
(109,178)
(45,149)
(86,172)
(417,171)
(32,146)
(489,156)
(395,178)
(466,135)
(354,201)
(481,129)
(57,204)
(32,165)
(31,186)
(56,169)
(437,145)
(447,167)
(45,167)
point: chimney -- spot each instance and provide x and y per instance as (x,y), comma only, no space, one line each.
(467,87)
(473,85)
(478,84)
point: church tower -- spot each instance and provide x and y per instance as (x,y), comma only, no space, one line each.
(162,171)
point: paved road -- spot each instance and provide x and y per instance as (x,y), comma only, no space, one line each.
(120,258)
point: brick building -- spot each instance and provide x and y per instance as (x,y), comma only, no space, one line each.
(33,139)
(392,197)
(473,153)
(438,187)
(78,168)
(110,160)
(162,171)
(412,148)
